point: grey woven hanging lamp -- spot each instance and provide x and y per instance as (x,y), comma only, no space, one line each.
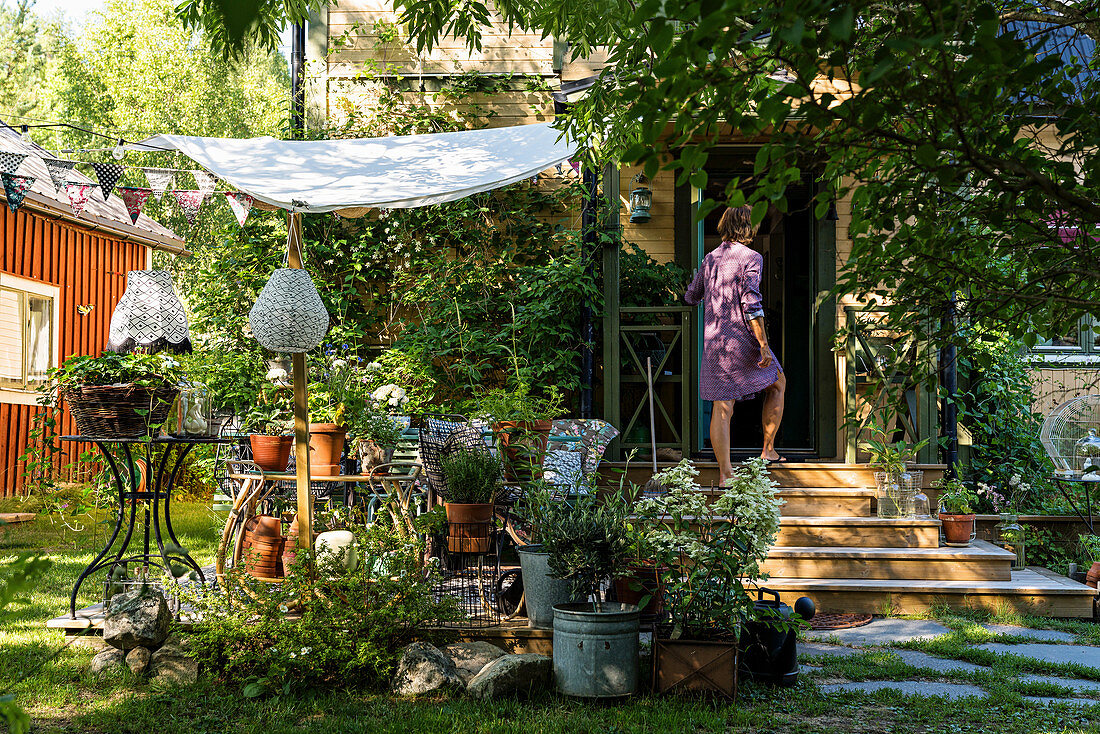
(149,317)
(289,316)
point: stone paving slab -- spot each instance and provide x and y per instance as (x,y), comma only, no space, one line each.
(930,662)
(1049,701)
(1077,654)
(1032,634)
(1077,684)
(817,648)
(882,632)
(910,688)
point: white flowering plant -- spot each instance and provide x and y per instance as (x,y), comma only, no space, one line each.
(712,545)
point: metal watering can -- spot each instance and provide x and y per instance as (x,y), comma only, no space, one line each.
(769,653)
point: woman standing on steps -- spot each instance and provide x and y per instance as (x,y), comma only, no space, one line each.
(737,361)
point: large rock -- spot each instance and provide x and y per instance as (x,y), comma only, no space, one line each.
(108,660)
(138,659)
(513,675)
(137,618)
(470,657)
(423,668)
(169,665)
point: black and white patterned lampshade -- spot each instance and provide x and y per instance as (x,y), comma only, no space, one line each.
(289,316)
(149,317)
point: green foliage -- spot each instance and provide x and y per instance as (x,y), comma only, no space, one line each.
(20,576)
(233,26)
(888,457)
(381,429)
(109,368)
(1051,550)
(401,369)
(1090,547)
(588,542)
(351,624)
(518,404)
(645,282)
(473,477)
(23,59)
(996,410)
(956,497)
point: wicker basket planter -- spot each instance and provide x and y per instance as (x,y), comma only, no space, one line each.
(118,411)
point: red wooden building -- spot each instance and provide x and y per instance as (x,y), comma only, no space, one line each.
(61,274)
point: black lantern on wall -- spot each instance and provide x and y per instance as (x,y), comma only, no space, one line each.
(641,199)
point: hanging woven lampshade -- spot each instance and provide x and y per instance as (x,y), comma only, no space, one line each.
(289,315)
(149,317)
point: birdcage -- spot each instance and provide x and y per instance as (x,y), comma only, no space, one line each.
(1069,435)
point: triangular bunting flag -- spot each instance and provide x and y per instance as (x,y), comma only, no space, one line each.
(10,162)
(241,204)
(160,180)
(134,197)
(205,182)
(15,188)
(59,171)
(190,202)
(108,175)
(78,192)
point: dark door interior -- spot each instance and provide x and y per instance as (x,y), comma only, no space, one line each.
(786,241)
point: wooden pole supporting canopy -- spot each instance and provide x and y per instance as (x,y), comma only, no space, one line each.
(301,404)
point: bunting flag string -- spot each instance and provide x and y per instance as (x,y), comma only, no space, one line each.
(108,175)
(134,197)
(204,182)
(59,171)
(10,162)
(241,204)
(160,180)
(78,192)
(190,202)
(15,189)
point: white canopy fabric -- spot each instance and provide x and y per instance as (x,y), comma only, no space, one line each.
(394,172)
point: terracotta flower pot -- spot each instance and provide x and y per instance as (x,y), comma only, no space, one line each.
(326,446)
(271,452)
(1093,575)
(263,547)
(958,530)
(469,527)
(642,581)
(524,444)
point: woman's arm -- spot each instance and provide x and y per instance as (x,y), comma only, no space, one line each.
(695,291)
(753,308)
(757,326)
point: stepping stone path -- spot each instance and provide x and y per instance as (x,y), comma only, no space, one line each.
(1077,684)
(1031,634)
(1076,654)
(910,688)
(930,662)
(883,632)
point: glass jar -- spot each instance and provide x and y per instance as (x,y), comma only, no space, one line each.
(1010,536)
(1088,451)
(895,493)
(194,413)
(921,507)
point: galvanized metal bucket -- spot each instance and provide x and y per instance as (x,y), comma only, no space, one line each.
(596,651)
(540,591)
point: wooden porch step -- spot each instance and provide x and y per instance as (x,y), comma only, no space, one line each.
(1030,591)
(788,474)
(826,502)
(981,561)
(859,532)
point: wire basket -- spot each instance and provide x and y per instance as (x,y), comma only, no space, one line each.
(894,493)
(118,411)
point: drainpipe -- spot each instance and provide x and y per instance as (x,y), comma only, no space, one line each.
(297,80)
(949,369)
(590,240)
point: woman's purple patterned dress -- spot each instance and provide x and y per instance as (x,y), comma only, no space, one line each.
(728,284)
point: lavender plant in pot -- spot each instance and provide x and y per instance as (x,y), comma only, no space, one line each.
(595,641)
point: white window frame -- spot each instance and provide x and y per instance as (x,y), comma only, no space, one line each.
(1085,355)
(24,396)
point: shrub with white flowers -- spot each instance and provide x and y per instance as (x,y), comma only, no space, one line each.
(711,545)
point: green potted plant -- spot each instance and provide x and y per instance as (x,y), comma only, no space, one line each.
(521,421)
(334,398)
(541,591)
(375,438)
(595,641)
(711,550)
(1090,545)
(473,478)
(117,395)
(270,434)
(956,512)
(897,485)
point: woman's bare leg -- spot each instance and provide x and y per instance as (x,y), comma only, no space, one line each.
(721,413)
(771,416)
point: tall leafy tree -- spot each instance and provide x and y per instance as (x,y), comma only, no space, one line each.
(22,58)
(964,130)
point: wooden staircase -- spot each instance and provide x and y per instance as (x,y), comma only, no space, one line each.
(833,548)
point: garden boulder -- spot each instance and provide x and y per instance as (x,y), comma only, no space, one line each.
(137,618)
(470,657)
(171,665)
(108,660)
(513,676)
(423,669)
(138,659)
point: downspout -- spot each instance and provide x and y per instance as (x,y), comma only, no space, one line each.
(949,369)
(590,240)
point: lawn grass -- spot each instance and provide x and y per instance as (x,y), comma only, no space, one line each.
(51,680)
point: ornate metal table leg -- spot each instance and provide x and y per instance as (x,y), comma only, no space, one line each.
(119,519)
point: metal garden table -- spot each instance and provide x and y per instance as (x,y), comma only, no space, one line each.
(144,471)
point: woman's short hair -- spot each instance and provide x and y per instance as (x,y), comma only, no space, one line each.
(736,224)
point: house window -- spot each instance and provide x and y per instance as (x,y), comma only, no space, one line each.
(1080,343)
(28,336)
